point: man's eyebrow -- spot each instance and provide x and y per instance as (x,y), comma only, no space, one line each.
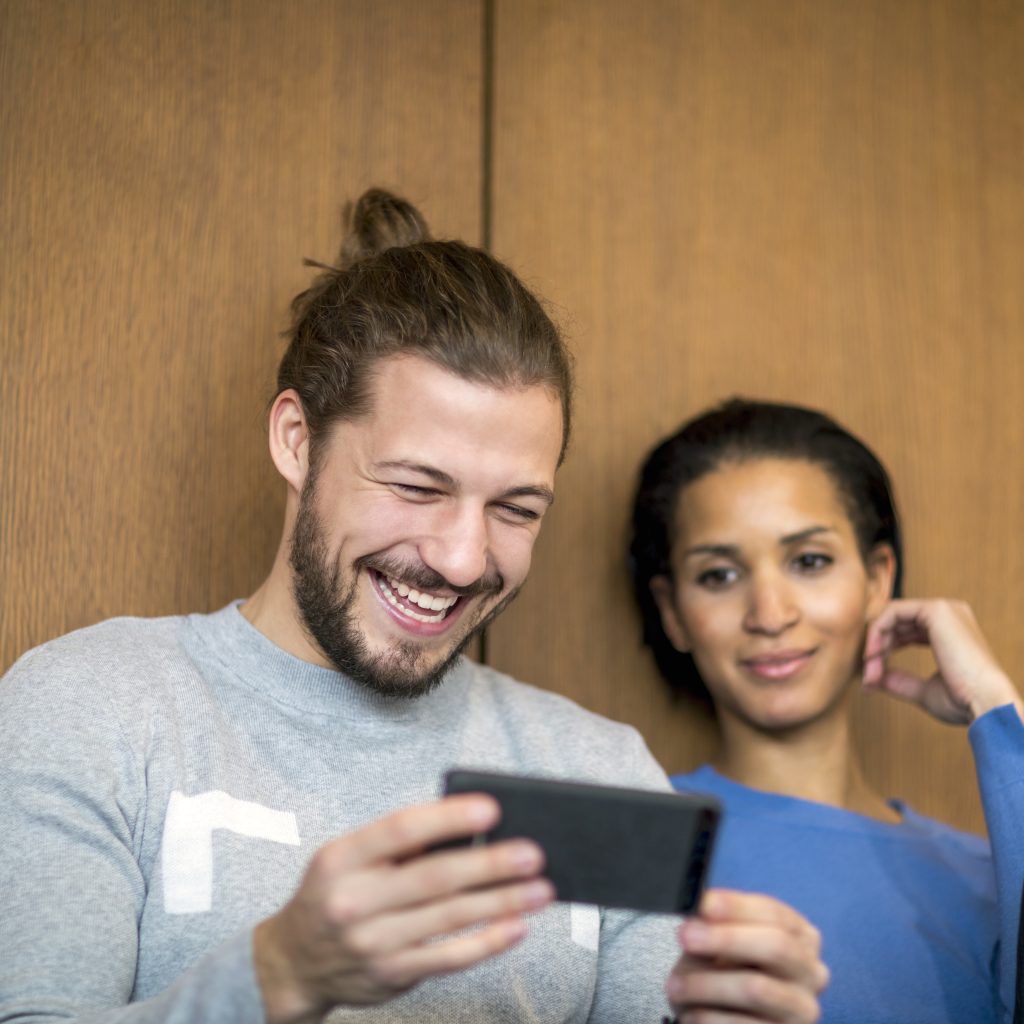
(440,476)
(732,550)
(532,491)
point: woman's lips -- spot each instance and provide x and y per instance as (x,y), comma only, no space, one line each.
(778,664)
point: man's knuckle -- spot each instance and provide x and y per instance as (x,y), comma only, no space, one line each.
(321,866)
(387,973)
(465,912)
(359,944)
(402,830)
(438,875)
(503,861)
(343,907)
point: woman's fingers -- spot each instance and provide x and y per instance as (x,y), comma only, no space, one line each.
(930,694)
(968,680)
(748,957)
(731,905)
(705,992)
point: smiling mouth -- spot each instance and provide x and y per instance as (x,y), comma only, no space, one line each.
(779,666)
(415,604)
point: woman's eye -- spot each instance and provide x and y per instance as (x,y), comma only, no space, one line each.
(812,561)
(715,579)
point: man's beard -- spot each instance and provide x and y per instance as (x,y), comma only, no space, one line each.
(327,610)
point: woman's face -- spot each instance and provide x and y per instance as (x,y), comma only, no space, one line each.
(769,591)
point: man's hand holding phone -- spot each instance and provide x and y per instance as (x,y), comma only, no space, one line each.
(361,927)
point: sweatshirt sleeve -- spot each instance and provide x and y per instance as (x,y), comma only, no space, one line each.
(997,739)
(72,807)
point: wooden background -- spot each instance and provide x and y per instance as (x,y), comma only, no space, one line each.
(811,201)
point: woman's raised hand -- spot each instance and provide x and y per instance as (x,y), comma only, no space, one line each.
(967,681)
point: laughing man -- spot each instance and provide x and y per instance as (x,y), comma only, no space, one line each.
(228,817)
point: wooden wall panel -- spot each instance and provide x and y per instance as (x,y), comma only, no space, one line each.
(165,168)
(816,202)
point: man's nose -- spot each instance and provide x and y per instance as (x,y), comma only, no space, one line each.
(457,546)
(771,608)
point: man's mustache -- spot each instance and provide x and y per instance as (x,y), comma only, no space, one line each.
(422,577)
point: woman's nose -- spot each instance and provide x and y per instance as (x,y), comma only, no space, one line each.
(772,608)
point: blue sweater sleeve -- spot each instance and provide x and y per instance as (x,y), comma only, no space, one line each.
(997,739)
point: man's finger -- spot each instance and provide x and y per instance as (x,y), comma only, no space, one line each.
(358,896)
(409,966)
(385,934)
(411,830)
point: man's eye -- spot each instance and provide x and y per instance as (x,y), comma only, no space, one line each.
(715,579)
(526,515)
(414,491)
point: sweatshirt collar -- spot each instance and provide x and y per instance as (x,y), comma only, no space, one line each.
(254,661)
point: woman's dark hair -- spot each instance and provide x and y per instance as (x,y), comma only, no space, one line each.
(736,431)
(394,290)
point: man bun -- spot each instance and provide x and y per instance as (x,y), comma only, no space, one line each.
(377,221)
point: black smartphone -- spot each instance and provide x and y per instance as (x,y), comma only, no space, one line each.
(633,848)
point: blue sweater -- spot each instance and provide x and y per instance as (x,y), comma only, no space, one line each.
(918,921)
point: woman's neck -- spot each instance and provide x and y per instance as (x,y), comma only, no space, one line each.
(815,762)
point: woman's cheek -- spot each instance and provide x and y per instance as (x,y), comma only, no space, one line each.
(708,623)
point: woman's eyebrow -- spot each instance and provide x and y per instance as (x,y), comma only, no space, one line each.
(811,531)
(732,550)
(721,550)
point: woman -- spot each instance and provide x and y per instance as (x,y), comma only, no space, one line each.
(766,553)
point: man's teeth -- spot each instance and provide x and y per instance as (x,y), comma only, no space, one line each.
(440,605)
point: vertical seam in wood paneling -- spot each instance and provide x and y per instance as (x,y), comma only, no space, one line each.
(487,128)
(486,172)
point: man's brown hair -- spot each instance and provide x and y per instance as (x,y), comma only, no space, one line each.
(394,290)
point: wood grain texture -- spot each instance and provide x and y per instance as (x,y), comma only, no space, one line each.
(165,168)
(814,202)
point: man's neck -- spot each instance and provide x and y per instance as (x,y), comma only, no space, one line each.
(272,610)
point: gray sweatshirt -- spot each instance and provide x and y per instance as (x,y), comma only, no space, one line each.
(163,784)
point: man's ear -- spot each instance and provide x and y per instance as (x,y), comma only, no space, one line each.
(661,591)
(289,438)
(881,566)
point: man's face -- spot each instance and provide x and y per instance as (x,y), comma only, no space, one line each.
(418,524)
